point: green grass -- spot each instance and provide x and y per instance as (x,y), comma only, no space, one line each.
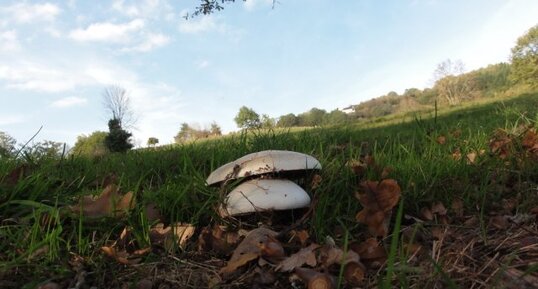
(174,179)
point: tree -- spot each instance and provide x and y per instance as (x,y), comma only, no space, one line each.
(247,118)
(313,117)
(336,117)
(525,58)
(184,133)
(152,141)
(91,145)
(117,103)
(215,129)
(7,145)
(207,7)
(267,122)
(118,139)
(287,120)
(43,150)
(449,86)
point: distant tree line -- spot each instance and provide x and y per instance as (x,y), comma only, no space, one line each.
(30,152)
(189,133)
(452,86)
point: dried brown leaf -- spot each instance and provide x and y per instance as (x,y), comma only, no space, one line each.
(499,222)
(329,255)
(176,233)
(316,181)
(358,167)
(386,172)
(121,257)
(457,207)
(411,249)
(377,221)
(501,144)
(109,204)
(426,214)
(456,133)
(249,249)
(300,237)
(240,261)
(456,155)
(144,284)
(438,208)
(50,285)
(371,252)
(304,256)
(153,214)
(530,140)
(379,196)
(471,157)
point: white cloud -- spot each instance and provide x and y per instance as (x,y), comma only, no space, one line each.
(202,64)
(209,23)
(28,13)
(107,32)
(150,42)
(53,32)
(199,25)
(131,34)
(69,102)
(36,77)
(253,4)
(11,119)
(147,9)
(9,41)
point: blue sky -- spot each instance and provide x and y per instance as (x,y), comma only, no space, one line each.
(56,57)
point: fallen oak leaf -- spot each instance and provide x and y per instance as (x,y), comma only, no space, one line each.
(271,249)
(121,257)
(329,255)
(219,240)
(501,144)
(379,196)
(378,199)
(426,214)
(371,252)
(530,140)
(300,236)
(456,155)
(471,158)
(457,207)
(240,261)
(499,222)
(251,248)
(109,204)
(438,208)
(176,233)
(304,256)
(377,221)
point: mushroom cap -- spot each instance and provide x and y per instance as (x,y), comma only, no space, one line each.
(263,162)
(264,194)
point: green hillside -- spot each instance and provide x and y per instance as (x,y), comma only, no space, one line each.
(478,155)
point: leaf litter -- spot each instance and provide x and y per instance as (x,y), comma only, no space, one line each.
(453,240)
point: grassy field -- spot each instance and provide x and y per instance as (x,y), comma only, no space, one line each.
(433,158)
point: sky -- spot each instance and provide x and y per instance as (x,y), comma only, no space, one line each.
(57,57)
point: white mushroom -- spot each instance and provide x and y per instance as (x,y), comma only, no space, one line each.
(264,194)
(261,163)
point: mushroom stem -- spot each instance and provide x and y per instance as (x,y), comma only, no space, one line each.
(315,279)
